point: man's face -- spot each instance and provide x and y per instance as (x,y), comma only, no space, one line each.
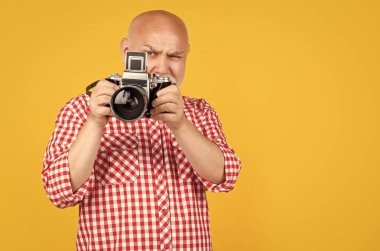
(167,49)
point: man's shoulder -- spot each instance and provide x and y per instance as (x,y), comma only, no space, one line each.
(78,105)
(196,104)
(79,101)
(82,98)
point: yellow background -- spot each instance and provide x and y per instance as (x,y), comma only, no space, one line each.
(296,86)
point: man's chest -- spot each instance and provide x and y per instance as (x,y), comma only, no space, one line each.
(135,151)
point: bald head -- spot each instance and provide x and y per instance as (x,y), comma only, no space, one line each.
(158,20)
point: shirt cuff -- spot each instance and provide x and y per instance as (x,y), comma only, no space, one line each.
(232,166)
(56,178)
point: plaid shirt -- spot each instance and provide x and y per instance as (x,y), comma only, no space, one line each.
(142,193)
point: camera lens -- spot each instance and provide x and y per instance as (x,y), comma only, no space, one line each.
(129,103)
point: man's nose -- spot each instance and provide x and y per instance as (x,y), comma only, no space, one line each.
(159,65)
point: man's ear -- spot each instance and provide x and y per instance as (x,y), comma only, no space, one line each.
(123,48)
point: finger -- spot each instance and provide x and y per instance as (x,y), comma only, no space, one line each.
(106,83)
(102,111)
(166,108)
(166,98)
(102,100)
(170,88)
(104,90)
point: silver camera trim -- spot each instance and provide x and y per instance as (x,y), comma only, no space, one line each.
(133,58)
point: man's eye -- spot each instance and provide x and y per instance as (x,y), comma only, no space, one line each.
(151,53)
(176,56)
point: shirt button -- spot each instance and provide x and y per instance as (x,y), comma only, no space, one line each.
(159,176)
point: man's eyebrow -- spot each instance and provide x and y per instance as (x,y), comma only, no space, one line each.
(152,48)
(176,53)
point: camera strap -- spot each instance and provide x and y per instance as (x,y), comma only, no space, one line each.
(89,87)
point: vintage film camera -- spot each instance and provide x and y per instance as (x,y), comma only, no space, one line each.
(138,88)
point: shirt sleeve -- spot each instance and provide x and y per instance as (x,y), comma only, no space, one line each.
(56,172)
(212,129)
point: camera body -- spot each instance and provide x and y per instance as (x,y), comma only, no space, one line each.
(138,88)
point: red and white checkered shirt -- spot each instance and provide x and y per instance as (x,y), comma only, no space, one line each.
(142,193)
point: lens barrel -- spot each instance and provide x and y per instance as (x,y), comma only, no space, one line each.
(129,103)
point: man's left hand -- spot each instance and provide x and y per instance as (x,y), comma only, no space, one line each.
(168,107)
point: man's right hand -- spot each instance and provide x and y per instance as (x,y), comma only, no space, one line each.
(100,98)
(84,150)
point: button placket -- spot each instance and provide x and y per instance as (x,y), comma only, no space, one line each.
(161,185)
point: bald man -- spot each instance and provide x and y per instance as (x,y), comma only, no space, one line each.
(141,185)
